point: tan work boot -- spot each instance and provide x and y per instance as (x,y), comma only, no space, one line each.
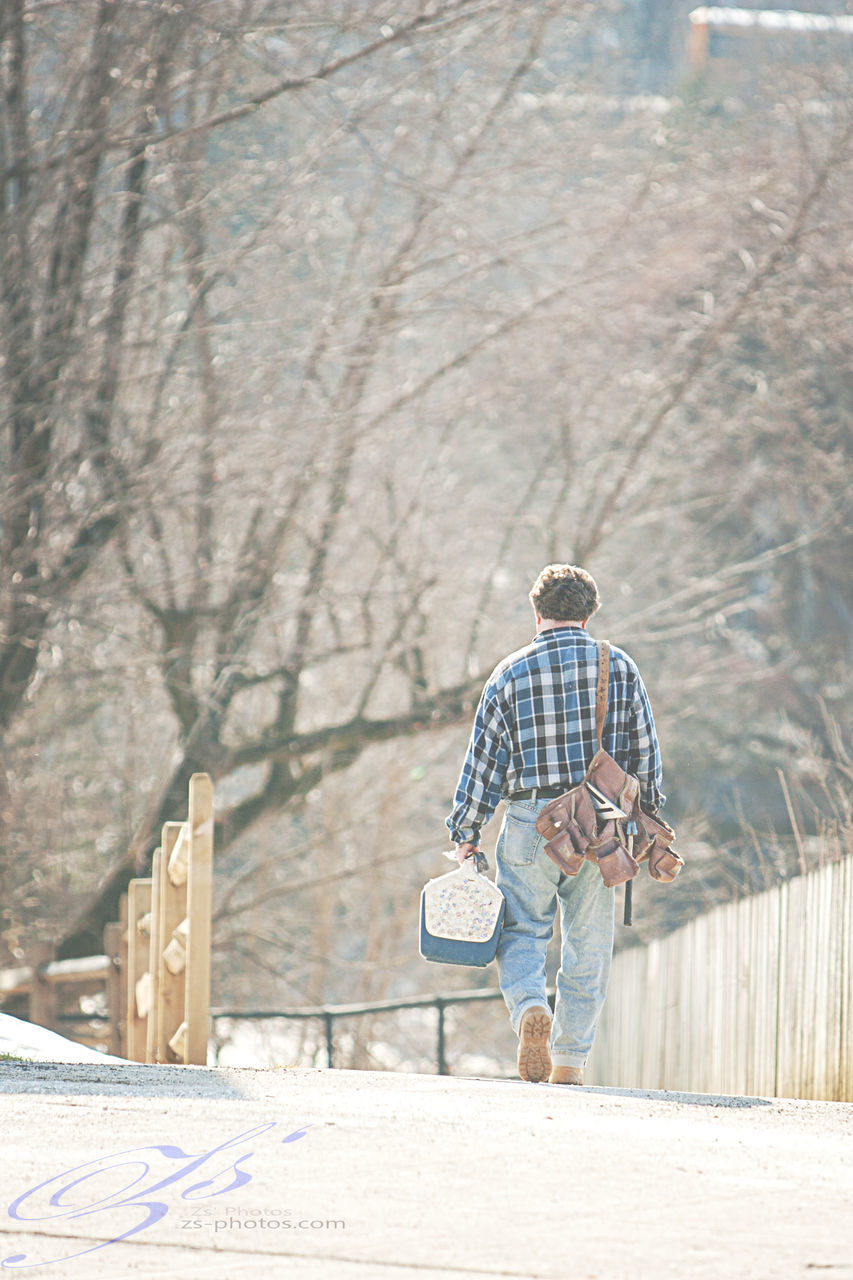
(534,1055)
(566,1075)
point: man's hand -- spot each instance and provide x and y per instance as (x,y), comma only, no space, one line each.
(463,851)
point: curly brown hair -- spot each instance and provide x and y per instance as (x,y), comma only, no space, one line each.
(565,593)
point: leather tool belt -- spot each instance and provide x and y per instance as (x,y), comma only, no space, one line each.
(600,820)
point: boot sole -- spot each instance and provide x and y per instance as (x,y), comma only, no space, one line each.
(534,1055)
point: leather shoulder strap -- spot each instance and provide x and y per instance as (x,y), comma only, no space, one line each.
(602,688)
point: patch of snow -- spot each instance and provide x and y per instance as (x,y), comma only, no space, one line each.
(37,1044)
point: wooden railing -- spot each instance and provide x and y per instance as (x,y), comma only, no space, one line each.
(168,941)
(156,961)
(42,979)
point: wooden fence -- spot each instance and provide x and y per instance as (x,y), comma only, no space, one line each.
(755,997)
(156,965)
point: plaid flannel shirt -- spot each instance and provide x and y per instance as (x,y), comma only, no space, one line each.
(535,727)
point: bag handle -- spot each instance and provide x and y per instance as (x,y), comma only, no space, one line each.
(602,688)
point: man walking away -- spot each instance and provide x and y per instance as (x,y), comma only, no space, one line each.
(534,738)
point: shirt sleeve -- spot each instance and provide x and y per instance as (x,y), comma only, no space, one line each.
(645,759)
(478,791)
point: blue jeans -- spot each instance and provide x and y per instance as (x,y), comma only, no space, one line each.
(533,887)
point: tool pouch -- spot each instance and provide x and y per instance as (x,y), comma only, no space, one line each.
(615,862)
(664,862)
(567,823)
(563,851)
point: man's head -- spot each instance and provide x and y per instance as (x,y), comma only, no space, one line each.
(564,593)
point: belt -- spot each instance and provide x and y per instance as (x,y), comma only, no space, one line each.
(536,793)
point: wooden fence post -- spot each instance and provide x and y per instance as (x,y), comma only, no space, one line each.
(199,907)
(122,967)
(42,1001)
(112,949)
(138,907)
(698,41)
(155,946)
(171,960)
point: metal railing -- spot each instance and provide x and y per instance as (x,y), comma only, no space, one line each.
(329,1014)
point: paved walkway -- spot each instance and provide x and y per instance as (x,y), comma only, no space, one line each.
(337,1175)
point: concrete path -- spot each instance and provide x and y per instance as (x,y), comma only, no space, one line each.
(337,1175)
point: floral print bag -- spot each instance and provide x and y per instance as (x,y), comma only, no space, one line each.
(461,916)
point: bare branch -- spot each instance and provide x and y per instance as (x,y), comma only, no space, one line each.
(641,432)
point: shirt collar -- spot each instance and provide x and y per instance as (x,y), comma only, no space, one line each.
(567,626)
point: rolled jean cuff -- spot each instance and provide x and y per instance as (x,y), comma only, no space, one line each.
(568,1059)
